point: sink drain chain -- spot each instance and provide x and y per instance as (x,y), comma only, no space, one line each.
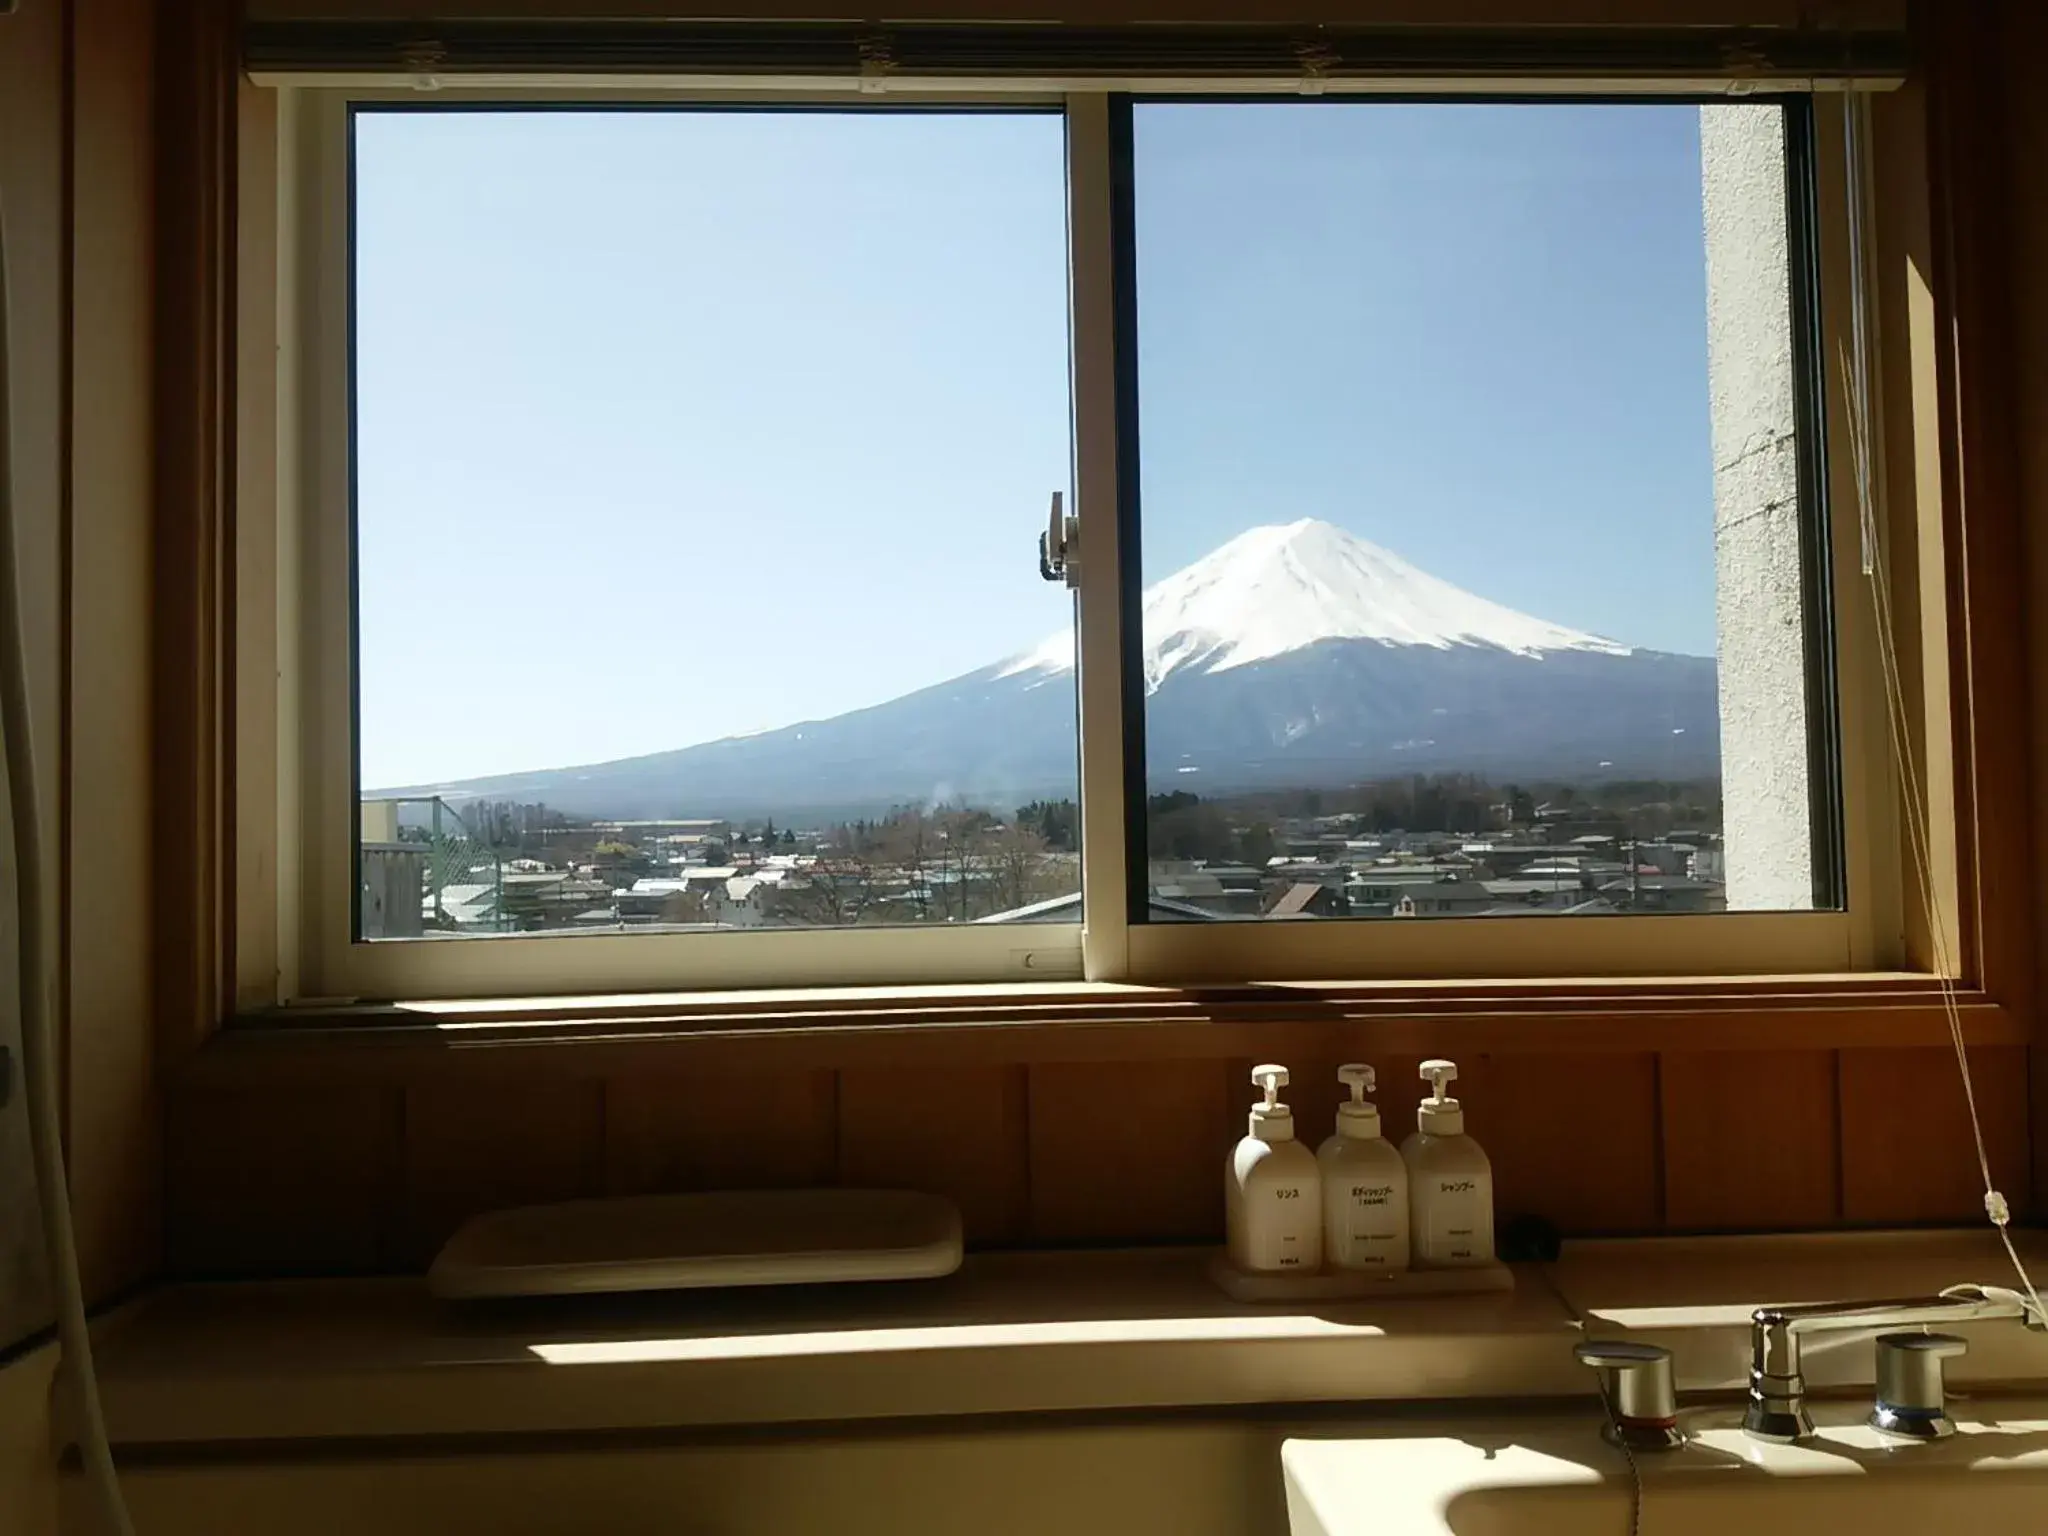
(1635,1473)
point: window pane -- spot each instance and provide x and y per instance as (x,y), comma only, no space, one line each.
(698,459)
(1472,527)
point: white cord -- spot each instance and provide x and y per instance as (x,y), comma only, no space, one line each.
(41,1082)
(1856,376)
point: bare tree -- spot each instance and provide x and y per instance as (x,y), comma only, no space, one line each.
(909,840)
(947,863)
(1023,869)
(963,835)
(837,889)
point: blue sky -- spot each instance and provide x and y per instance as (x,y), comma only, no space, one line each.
(673,425)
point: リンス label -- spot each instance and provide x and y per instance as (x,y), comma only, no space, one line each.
(1292,1251)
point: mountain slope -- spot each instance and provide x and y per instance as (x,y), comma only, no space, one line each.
(1293,655)
(1275,589)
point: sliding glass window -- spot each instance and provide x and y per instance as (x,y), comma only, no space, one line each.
(1474,511)
(1441,531)
(694,458)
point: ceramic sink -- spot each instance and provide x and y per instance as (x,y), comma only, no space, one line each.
(1537,1476)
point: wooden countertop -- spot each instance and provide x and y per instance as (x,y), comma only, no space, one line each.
(1010,1333)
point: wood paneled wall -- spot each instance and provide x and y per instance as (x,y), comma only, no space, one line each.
(304,1175)
(1875,14)
(2021,133)
(75,161)
(32,132)
(374,1178)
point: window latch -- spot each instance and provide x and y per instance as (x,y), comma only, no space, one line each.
(1059,547)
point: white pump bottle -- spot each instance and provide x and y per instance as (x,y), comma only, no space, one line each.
(1450,1181)
(1365,1185)
(1272,1202)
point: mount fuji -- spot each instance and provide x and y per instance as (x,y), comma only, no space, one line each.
(1294,655)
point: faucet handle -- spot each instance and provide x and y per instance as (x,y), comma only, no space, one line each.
(1636,1384)
(1911,1394)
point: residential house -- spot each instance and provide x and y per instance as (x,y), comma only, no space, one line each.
(1310,898)
(1445,898)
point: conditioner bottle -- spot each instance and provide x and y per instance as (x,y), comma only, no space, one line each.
(1271,1199)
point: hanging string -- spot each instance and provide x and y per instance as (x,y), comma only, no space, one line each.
(1856,376)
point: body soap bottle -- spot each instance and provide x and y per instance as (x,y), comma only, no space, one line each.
(1450,1182)
(1365,1185)
(1271,1201)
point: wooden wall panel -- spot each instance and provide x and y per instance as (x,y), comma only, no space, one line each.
(1877,14)
(190,632)
(276,1184)
(2023,130)
(1750,1139)
(79,98)
(315,1179)
(675,1131)
(114,1138)
(959,1132)
(1573,1139)
(486,1147)
(32,156)
(1907,1153)
(1131,1153)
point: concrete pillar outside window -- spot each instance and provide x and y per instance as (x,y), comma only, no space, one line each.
(1761,643)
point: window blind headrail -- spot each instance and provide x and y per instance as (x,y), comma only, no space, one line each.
(1133,52)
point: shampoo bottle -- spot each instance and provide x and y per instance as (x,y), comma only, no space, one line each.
(1450,1182)
(1272,1204)
(1365,1185)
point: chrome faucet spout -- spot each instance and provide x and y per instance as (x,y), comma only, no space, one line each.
(1777,1391)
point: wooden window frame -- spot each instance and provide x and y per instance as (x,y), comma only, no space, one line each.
(224,900)
(320,956)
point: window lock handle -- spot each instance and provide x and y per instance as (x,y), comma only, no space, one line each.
(1059,547)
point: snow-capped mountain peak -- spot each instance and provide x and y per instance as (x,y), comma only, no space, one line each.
(1278,588)
(1366,667)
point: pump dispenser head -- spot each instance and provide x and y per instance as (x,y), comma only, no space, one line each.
(1272,1120)
(1358,1118)
(1439,1114)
